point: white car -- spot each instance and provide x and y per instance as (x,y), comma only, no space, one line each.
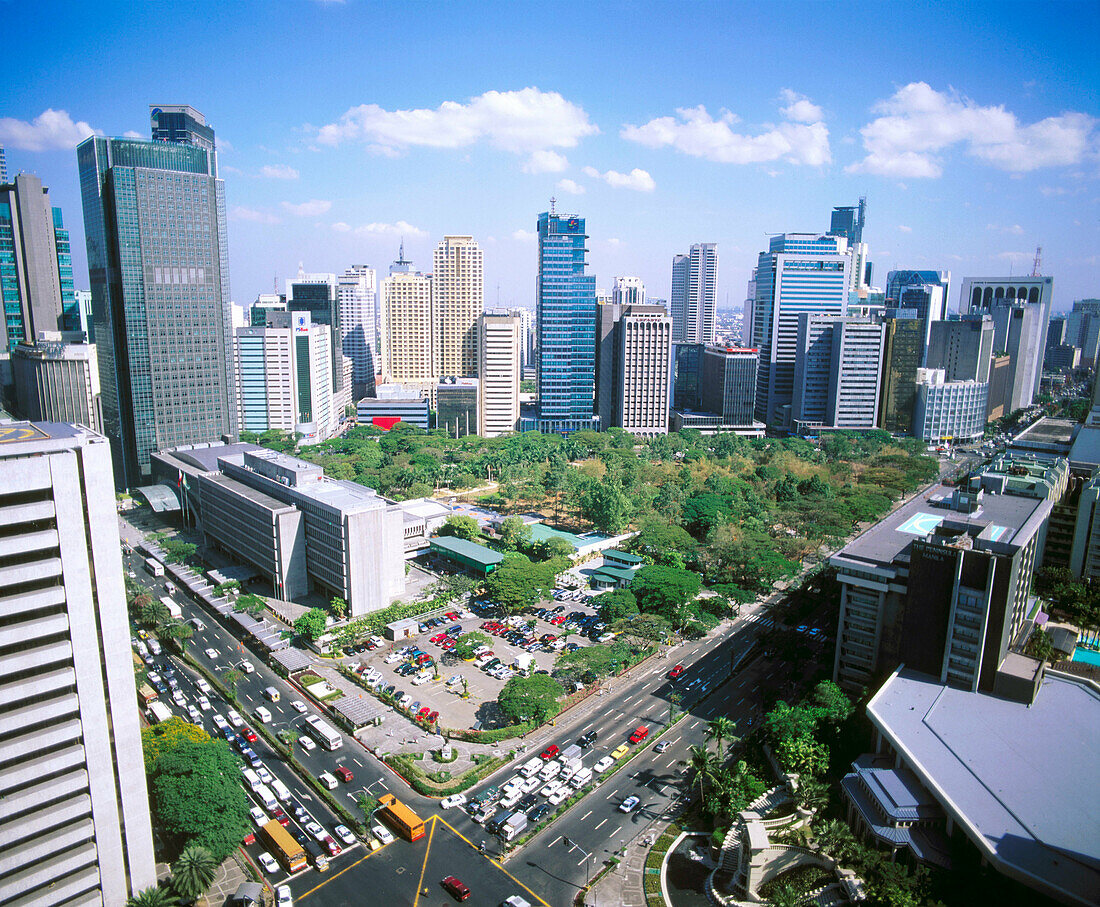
(629,804)
(220,723)
(203,686)
(267,861)
(247,667)
(604,764)
(153,677)
(283,897)
(178,698)
(258,815)
(196,715)
(204,703)
(559,796)
(530,784)
(298,705)
(382,834)
(211,654)
(391,658)
(421,679)
(264,774)
(453,801)
(344,834)
(315,829)
(511,798)
(307,743)
(552,788)
(377,641)
(484,814)
(234,718)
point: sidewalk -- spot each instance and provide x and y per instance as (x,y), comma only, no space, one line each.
(622,885)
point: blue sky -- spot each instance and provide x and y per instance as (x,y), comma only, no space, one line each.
(972,128)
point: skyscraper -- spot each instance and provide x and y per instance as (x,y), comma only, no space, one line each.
(849,222)
(316,294)
(729,384)
(406,323)
(458,299)
(57,379)
(357,312)
(633,363)
(75,819)
(800,273)
(896,281)
(158,260)
(499,352)
(36,266)
(628,291)
(528,336)
(903,352)
(566,303)
(962,346)
(694,285)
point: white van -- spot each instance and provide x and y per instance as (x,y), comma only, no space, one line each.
(266,797)
(154,646)
(280,789)
(550,770)
(328,780)
(581,778)
(530,767)
(262,714)
(252,778)
(272,694)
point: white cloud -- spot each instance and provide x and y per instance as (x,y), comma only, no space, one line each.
(918,123)
(341,227)
(546,162)
(1014,256)
(278,172)
(132,134)
(524,236)
(636,179)
(804,139)
(50,130)
(313,208)
(401,228)
(522,122)
(905,229)
(799,108)
(573,188)
(251,214)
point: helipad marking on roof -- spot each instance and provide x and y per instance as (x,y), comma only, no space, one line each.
(921,524)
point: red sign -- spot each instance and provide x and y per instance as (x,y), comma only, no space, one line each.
(385,422)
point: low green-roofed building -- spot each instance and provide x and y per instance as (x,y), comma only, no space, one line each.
(612,577)
(613,557)
(469,554)
(540,532)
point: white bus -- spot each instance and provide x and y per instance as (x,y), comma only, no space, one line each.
(324,733)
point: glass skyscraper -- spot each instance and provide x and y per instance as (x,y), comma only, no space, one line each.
(566,301)
(158,262)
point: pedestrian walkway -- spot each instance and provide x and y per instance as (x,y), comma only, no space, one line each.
(622,885)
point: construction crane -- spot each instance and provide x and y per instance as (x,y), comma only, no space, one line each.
(1035,272)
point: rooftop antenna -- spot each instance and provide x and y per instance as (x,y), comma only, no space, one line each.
(553,203)
(301,269)
(1035,268)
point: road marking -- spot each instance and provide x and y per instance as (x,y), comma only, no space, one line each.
(581,863)
(555,841)
(598,826)
(672,763)
(496,863)
(616,831)
(427,851)
(586,815)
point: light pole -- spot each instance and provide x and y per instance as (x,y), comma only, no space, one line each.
(587,859)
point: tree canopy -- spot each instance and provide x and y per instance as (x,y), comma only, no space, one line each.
(662,589)
(461,526)
(311,624)
(518,583)
(533,698)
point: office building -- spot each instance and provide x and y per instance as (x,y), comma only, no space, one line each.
(456,406)
(500,351)
(3,166)
(729,384)
(57,380)
(284,378)
(903,350)
(1020,308)
(687,376)
(394,403)
(694,289)
(181,124)
(838,373)
(848,222)
(948,411)
(528,337)
(36,265)
(84,311)
(925,302)
(566,306)
(458,299)
(266,302)
(406,324)
(301,529)
(628,291)
(962,346)
(633,363)
(800,273)
(1081,329)
(1000,388)
(158,260)
(941,585)
(75,823)
(315,294)
(896,281)
(357,312)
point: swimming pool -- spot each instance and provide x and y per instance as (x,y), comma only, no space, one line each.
(1087,656)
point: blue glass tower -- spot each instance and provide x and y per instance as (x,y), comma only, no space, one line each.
(566,300)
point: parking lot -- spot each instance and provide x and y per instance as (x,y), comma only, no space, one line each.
(432,680)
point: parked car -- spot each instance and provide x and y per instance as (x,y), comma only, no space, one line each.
(267,861)
(453,801)
(382,834)
(540,812)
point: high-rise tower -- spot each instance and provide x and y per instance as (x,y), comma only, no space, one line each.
(458,299)
(406,323)
(357,313)
(500,351)
(694,288)
(158,261)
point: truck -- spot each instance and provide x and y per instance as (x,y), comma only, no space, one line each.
(287,851)
(174,610)
(323,732)
(158,712)
(513,826)
(570,767)
(524,662)
(403,820)
(571,752)
(155,567)
(581,778)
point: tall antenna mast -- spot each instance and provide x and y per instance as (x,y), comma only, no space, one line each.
(553,203)
(1036,268)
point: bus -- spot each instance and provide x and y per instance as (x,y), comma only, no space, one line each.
(324,733)
(147,694)
(155,567)
(158,712)
(403,819)
(287,851)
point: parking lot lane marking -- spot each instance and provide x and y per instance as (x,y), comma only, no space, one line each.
(601,823)
(427,853)
(581,863)
(367,856)
(616,831)
(586,815)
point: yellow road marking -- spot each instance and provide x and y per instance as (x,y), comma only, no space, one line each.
(427,852)
(491,860)
(302,897)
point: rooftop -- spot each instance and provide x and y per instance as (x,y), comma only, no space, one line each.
(1020,780)
(625,556)
(205,456)
(1048,431)
(540,532)
(469,550)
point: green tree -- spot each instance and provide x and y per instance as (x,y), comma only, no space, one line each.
(618,604)
(643,629)
(231,678)
(193,872)
(533,698)
(830,703)
(167,736)
(719,729)
(251,603)
(835,838)
(607,506)
(514,533)
(662,589)
(177,551)
(339,607)
(812,794)
(467,642)
(517,583)
(154,613)
(178,632)
(153,896)
(703,765)
(786,895)
(311,624)
(599,660)
(804,755)
(461,526)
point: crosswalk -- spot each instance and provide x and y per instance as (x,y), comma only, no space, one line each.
(763,620)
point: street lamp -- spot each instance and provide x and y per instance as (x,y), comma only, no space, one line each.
(587,859)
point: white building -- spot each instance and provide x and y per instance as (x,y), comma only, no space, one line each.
(273,391)
(458,299)
(394,403)
(948,410)
(357,308)
(74,826)
(694,285)
(528,338)
(499,365)
(628,291)
(57,379)
(408,346)
(838,374)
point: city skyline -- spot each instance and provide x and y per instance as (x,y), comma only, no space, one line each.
(969,159)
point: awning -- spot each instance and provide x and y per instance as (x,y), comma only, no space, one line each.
(162,498)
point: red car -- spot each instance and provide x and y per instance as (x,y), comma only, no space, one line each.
(558,621)
(284,819)
(676,672)
(640,733)
(249,734)
(423,714)
(433,717)
(448,645)
(344,774)
(331,845)
(423,658)
(438,638)
(455,888)
(451,615)
(250,838)
(550,752)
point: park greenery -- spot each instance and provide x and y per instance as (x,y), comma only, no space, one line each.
(311,624)
(533,698)
(1077,601)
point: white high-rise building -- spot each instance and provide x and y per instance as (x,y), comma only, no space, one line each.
(273,391)
(694,288)
(407,324)
(527,336)
(357,308)
(628,291)
(74,825)
(499,357)
(458,299)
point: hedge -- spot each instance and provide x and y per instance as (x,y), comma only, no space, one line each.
(376,620)
(492,736)
(419,780)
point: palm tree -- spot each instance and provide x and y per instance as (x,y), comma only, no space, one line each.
(154,613)
(703,764)
(719,729)
(835,838)
(178,632)
(194,872)
(812,794)
(785,895)
(674,700)
(153,896)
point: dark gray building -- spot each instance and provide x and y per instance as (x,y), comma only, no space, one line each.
(963,347)
(729,383)
(158,261)
(687,376)
(456,406)
(633,361)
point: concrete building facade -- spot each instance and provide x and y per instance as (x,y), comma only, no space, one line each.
(357,312)
(75,825)
(500,352)
(408,351)
(458,300)
(838,373)
(57,380)
(948,410)
(633,363)
(694,288)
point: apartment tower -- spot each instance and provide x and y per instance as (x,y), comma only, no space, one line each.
(458,299)
(694,287)
(499,357)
